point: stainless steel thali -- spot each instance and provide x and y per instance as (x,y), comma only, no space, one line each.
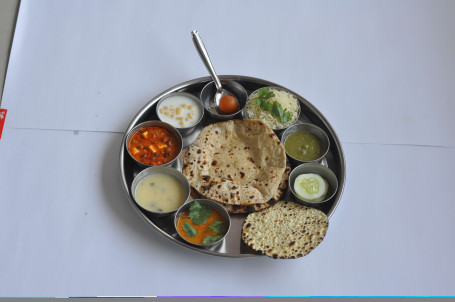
(232,245)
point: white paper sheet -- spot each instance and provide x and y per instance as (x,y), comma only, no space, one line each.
(380,72)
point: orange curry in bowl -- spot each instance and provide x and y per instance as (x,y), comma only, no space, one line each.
(201,224)
(154,146)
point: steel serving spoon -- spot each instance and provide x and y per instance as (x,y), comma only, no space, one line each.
(220,92)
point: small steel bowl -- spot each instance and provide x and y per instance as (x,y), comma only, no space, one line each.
(198,103)
(208,96)
(216,206)
(310,128)
(161,170)
(324,172)
(278,131)
(161,124)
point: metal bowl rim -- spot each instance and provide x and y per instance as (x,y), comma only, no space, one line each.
(214,205)
(166,169)
(224,116)
(198,101)
(286,135)
(327,198)
(146,124)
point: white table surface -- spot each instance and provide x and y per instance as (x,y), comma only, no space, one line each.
(382,73)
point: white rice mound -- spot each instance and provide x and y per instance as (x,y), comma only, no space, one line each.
(286,100)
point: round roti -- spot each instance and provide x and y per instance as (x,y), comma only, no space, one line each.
(242,209)
(237,162)
(286,230)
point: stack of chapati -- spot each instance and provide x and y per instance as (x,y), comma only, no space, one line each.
(286,230)
(238,163)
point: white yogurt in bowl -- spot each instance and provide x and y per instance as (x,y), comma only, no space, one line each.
(181,110)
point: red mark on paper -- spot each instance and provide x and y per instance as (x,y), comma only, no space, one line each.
(2,120)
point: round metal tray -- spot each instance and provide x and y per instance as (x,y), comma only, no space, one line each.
(232,245)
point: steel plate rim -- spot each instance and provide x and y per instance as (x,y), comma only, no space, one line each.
(182,85)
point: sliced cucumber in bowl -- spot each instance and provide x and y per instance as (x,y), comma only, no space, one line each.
(311,187)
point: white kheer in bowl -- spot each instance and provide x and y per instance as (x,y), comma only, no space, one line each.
(181,110)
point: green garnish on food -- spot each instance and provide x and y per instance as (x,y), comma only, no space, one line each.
(189,230)
(217,226)
(265,94)
(283,115)
(199,213)
(211,239)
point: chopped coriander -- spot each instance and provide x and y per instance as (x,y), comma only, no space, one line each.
(211,239)
(217,226)
(189,230)
(199,213)
(282,115)
(265,94)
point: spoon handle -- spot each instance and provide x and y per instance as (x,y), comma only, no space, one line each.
(205,58)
